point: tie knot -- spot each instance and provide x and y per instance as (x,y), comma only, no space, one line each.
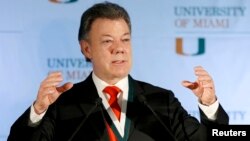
(112,91)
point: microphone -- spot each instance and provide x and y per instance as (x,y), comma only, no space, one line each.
(143,100)
(98,102)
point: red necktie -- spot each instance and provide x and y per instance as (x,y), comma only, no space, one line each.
(113,92)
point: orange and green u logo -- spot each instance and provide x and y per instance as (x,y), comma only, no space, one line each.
(201,47)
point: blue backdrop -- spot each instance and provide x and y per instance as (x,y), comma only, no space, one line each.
(169,38)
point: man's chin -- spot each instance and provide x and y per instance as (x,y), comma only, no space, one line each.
(121,75)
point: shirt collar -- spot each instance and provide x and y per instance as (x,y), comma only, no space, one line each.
(100,84)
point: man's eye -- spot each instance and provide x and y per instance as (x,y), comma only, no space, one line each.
(107,41)
(126,40)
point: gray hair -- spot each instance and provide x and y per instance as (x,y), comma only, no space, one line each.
(101,10)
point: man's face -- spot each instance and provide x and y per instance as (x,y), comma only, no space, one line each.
(109,48)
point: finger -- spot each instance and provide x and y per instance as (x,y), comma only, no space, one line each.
(65,87)
(47,91)
(50,90)
(54,73)
(208,85)
(58,79)
(53,78)
(199,68)
(200,71)
(54,92)
(50,84)
(186,83)
(205,78)
(190,85)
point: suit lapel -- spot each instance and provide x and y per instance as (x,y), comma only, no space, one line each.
(88,104)
(133,105)
(135,111)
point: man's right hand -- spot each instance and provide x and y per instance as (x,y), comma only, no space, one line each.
(49,92)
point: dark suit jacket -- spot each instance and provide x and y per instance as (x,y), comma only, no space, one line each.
(64,116)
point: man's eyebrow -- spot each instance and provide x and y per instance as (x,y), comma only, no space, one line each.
(126,34)
(107,35)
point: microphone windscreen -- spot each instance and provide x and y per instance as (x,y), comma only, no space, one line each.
(142,99)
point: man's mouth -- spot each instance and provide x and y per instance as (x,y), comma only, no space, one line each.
(118,61)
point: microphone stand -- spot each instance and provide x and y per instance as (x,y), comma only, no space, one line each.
(97,103)
(143,100)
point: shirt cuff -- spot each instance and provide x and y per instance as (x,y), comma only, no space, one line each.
(34,117)
(211,110)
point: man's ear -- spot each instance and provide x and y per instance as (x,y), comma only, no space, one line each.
(85,49)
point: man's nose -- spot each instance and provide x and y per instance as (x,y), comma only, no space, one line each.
(118,48)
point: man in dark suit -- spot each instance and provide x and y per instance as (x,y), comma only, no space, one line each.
(110,104)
